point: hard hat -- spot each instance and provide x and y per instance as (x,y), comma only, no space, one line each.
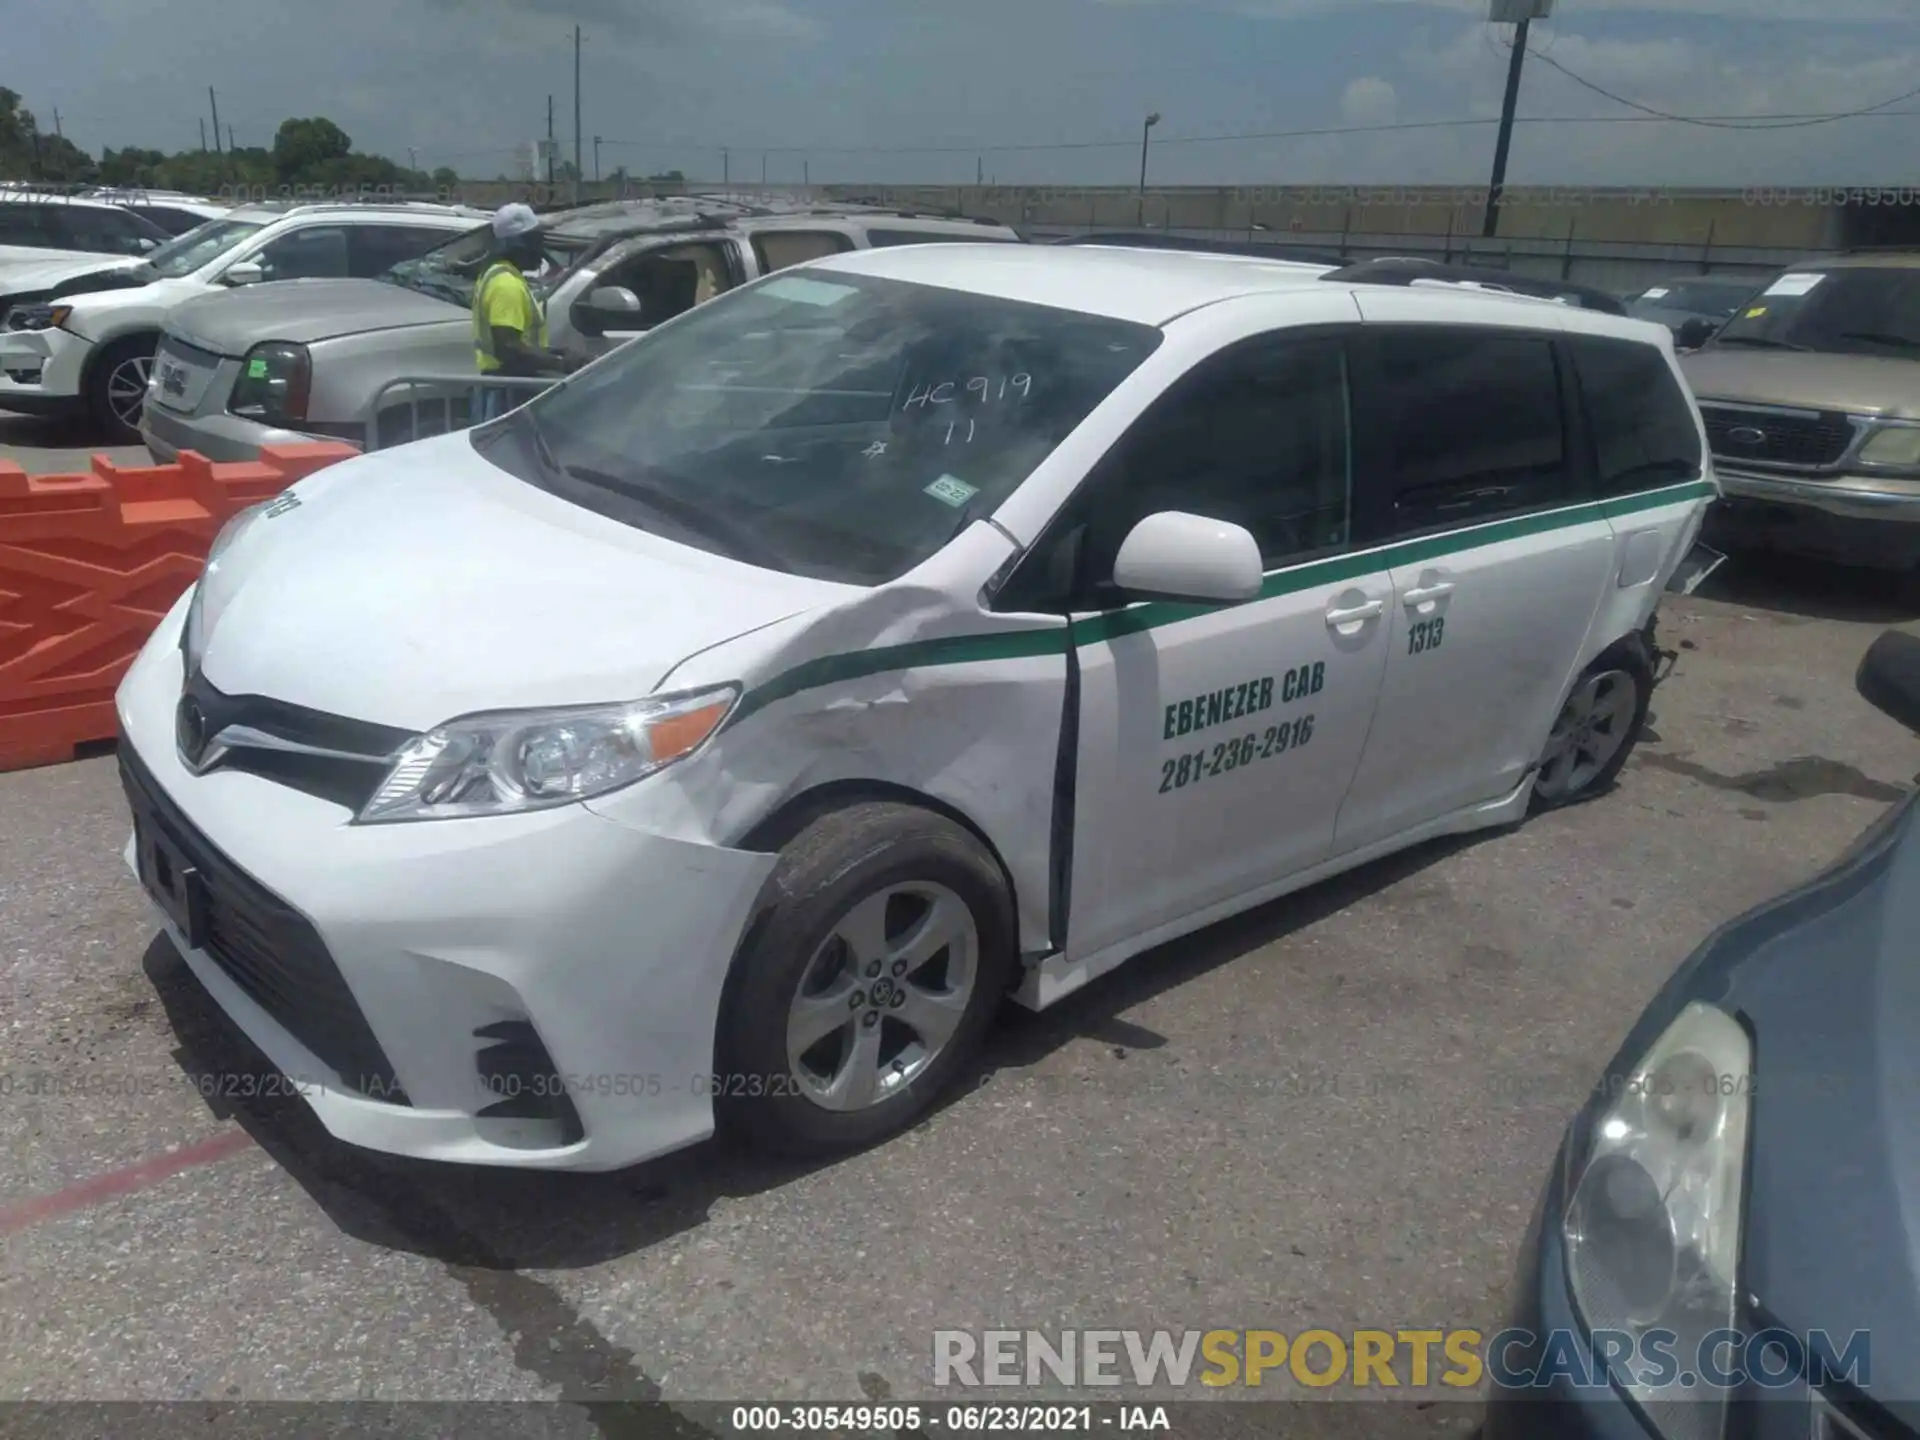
(511,221)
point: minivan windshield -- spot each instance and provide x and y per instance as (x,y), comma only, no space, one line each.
(1844,310)
(837,426)
(201,245)
(448,271)
(1716,298)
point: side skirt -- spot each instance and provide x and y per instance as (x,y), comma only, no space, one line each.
(1058,976)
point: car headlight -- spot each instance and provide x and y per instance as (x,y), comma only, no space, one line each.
(193,635)
(1653,1226)
(1893,445)
(519,760)
(38,317)
(275,384)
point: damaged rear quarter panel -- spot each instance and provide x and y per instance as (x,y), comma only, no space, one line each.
(911,685)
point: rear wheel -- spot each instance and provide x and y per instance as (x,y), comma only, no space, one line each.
(1596,728)
(117,386)
(881,948)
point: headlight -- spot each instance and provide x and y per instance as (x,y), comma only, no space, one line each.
(520,760)
(193,635)
(1653,1227)
(38,317)
(1894,445)
(276,381)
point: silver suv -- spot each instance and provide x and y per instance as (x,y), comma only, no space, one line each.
(304,361)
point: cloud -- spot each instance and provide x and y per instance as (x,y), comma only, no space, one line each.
(646,22)
(1369,101)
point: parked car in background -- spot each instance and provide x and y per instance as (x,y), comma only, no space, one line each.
(76,342)
(1744,1170)
(173,211)
(1811,394)
(1710,299)
(36,227)
(292,364)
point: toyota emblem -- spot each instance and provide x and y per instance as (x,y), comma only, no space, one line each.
(190,729)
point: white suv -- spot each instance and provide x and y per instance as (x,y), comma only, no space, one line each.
(720,736)
(36,227)
(75,340)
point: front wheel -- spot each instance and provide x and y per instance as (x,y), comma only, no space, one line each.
(1596,728)
(880,949)
(117,387)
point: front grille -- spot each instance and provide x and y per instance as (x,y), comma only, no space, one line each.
(1808,440)
(331,757)
(189,354)
(268,948)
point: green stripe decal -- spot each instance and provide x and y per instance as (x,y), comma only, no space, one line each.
(915,655)
(1152,615)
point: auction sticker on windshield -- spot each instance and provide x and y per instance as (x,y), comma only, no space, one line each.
(954,492)
(1793,285)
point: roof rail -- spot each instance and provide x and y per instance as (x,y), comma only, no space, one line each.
(1405,271)
(1161,240)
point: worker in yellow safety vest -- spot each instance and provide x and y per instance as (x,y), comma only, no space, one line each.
(509,327)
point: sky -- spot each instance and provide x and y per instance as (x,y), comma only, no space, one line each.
(939,91)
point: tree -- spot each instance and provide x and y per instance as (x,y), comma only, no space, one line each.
(301,147)
(445,178)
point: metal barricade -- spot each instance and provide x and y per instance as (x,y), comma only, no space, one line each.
(416,406)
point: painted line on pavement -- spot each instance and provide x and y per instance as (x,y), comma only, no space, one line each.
(129,1181)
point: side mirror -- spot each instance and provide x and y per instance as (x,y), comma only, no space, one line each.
(1175,556)
(1694,334)
(1889,677)
(611,307)
(246,272)
(147,244)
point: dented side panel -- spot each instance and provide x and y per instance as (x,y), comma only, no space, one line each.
(912,685)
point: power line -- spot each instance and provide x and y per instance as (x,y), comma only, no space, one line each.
(1654,118)
(1725,122)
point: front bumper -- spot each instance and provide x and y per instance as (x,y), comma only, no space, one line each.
(1849,519)
(41,370)
(612,943)
(218,436)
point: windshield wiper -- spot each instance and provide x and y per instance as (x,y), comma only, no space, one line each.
(1881,337)
(741,541)
(1759,342)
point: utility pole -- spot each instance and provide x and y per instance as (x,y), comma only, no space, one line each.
(215,103)
(231,147)
(979,170)
(549,139)
(203,134)
(726,168)
(56,124)
(576,115)
(596,159)
(806,173)
(413,159)
(763,169)
(1146,134)
(1521,14)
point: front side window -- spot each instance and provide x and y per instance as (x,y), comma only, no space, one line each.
(1256,436)
(843,427)
(672,280)
(1698,297)
(1471,424)
(448,271)
(106,231)
(200,246)
(1845,310)
(25,225)
(1643,431)
(314,252)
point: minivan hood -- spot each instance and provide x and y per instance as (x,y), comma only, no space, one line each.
(416,585)
(1857,384)
(303,311)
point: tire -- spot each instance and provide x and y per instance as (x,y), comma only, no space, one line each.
(1624,717)
(884,872)
(109,383)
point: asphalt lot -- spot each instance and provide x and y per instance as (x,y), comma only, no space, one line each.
(1333,1112)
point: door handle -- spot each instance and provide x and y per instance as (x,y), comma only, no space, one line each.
(1425,593)
(1356,612)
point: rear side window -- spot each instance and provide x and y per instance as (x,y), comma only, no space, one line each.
(102,231)
(881,238)
(1643,430)
(1471,423)
(372,250)
(314,252)
(776,250)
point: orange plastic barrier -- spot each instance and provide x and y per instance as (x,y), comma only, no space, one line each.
(90,564)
